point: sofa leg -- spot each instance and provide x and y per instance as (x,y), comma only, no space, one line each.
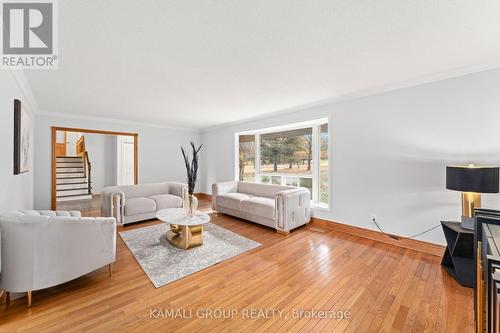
(29,298)
(283,232)
(110,270)
(7,298)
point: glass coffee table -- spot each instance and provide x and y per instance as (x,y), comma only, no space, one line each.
(185,232)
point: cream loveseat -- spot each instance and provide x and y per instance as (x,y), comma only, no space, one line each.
(133,203)
(280,207)
(41,249)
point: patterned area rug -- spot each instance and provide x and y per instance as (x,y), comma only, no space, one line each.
(164,263)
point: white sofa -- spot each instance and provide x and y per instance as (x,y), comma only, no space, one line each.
(41,249)
(133,203)
(280,207)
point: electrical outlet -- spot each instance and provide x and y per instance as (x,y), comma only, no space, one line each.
(374,217)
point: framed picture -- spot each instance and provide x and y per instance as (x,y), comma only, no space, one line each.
(22,139)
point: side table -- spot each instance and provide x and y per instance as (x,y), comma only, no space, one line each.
(458,257)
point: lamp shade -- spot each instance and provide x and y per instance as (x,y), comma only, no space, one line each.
(478,179)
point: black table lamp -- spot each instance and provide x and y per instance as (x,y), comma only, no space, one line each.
(471,180)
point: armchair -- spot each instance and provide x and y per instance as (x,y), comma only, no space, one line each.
(41,249)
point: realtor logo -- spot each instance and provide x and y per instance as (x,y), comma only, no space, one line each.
(29,34)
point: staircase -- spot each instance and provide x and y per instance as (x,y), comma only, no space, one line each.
(73,178)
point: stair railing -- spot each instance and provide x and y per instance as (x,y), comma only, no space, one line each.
(82,152)
(88,167)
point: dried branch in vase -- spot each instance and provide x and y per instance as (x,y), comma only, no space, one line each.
(191,167)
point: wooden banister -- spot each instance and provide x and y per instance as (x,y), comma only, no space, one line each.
(87,168)
(81,150)
(80,146)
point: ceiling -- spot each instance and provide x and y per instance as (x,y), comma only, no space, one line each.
(202,63)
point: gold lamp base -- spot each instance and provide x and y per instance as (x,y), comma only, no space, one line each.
(470,201)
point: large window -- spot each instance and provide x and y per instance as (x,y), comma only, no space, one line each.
(292,156)
(247,158)
(323,164)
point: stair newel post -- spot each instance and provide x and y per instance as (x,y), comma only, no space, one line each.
(89,181)
(81,150)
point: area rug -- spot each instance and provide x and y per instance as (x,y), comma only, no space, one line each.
(164,263)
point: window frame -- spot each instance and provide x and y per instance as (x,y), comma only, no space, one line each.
(316,157)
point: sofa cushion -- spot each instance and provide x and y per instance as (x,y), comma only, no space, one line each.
(232,200)
(64,213)
(164,201)
(136,206)
(260,206)
(144,190)
(48,213)
(261,190)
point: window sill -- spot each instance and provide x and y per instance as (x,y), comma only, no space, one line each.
(320,206)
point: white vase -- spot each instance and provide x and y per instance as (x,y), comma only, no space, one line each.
(190,204)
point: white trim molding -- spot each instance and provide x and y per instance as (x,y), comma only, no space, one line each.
(116,121)
(412,82)
(28,99)
(316,150)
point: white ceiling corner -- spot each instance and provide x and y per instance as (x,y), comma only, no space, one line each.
(27,99)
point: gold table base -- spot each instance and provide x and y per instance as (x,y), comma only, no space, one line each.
(185,237)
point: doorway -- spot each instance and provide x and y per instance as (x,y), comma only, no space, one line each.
(125,174)
(84,161)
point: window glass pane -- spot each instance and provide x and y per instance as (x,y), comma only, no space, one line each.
(287,157)
(265,179)
(292,181)
(306,182)
(323,166)
(247,158)
(287,152)
(276,180)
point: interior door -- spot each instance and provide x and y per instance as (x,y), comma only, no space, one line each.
(71,139)
(60,145)
(125,160)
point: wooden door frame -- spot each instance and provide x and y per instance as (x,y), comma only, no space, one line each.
(64,143)
(91,131)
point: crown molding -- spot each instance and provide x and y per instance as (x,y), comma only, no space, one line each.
(30,101)
(114,120)
(435,77)
(28,98)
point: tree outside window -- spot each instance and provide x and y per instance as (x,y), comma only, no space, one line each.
(295,157)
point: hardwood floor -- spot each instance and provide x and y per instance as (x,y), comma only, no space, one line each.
(88,207)
(380,286)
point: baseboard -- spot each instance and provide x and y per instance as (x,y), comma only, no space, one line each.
(412,244)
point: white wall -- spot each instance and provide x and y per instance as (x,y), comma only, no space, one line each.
(389,151)
(160,157)
(16,191)
(102,155)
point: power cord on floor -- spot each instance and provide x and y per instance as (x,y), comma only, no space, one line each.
(398,237)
